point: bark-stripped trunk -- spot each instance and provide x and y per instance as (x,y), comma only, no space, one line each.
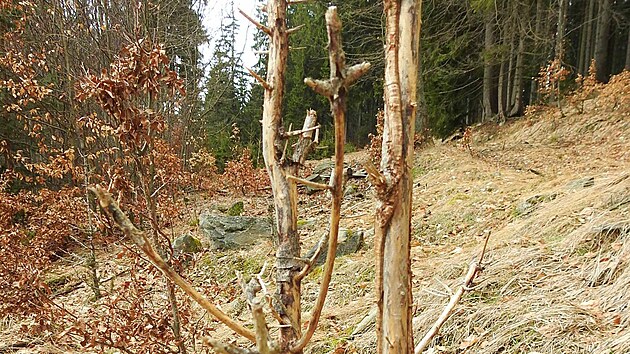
(284,193)
(627,66)
(601,41)
(394,186)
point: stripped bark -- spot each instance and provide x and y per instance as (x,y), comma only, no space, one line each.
(288,263)
(394,184)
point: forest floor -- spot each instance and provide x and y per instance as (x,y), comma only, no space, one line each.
(553,191)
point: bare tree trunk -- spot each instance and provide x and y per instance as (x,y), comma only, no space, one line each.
(488,112)
(288,264)
(394,185)
(588,50)
(501,91)
(601,41)
(537,34)
(562,15)
(627,66)
(517,94)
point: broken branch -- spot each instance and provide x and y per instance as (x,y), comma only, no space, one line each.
(299,132)
(307,183)
(258,78)
(473,269)
(141,240)
(259,25)
(323,87)
(295,29)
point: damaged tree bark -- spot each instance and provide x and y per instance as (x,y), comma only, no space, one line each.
(394,184)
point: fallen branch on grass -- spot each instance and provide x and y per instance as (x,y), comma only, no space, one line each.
(473,269)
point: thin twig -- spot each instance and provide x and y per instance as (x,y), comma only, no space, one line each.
(311,262)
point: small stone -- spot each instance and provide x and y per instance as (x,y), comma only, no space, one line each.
(349,242)
(187,243)
(581,183)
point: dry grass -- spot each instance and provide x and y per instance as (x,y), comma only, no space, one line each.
(556,277)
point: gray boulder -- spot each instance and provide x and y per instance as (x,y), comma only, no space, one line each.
(349,242)
(234,232)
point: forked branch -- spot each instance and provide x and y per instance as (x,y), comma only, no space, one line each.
(140,239)
(335,88)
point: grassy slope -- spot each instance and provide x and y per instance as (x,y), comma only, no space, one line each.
(558,268)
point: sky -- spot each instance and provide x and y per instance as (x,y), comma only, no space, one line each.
(212,15)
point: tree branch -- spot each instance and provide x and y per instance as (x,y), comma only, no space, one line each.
(337,98)
(294,29)
(473,269)
(141,240)
(307,183)
(258,78)
(259,25)
(323,87)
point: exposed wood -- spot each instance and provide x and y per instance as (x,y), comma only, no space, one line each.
(253,287)
(295,29)
(473,270)
(288,261)
(393,217)
(141,240)
(336,92)
(323,87)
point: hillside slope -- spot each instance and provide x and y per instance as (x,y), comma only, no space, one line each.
(554,192)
